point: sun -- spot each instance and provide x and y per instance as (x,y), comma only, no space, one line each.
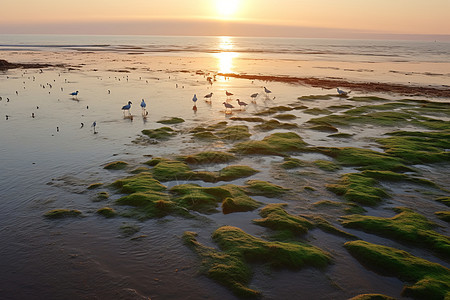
(227,8)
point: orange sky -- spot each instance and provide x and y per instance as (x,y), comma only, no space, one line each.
(242,17)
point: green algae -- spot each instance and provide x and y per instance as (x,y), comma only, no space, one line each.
(62,213)
(368,99)
(264,188)
(234,133)
(142,182)
(102,196)
(167,170)
(326,226)
(372,297)
(285,117)
(280,143)
(273,110)
(209,157)
(95,185)
(358,188)
(206,199)
(327,165)
(317,111)
(248,119)
(292,163)
(444,200)
(116,165)
(418,147)
(393,176)
(274,124)
(107,212)
(163,133)
(170,121)
(276,218)
(366,159)
(324,127)
(341,135)
(316,97)
(234,172)
(407,226)
(443,215)
(428,280)
(140,170)
(205,135)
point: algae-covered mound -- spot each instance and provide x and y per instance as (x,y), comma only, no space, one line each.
(163,133)
(166,170)
(209,157)
(274,124)
(292,163)
(418,147)
(372,297)
(443,215)
(234,133)
(280,143)
(285,117)
(326,226)
(444,200)
(317,111)
(206,199)
(276,218)
(107,212)
(230,267)
(366,159)
(327,165)
(407,226)
(95,185)
(247,119)
(116,165)
(142,182)
(264,188)
(358,188)
(324,128)
(62,213)
(170,121)
(234,172)
(429,280)
(273,110)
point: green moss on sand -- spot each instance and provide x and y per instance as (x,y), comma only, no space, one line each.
(358,188)
(248,119)
(327,165)
(316,97)
(234,133)
(276,218)
(163,133)
(166,170)
(230,267)
(443,215)
(95,185)
(102,196)
(324,127)
(170,121)
(428,280)
(418,147)
(62,213)
(273,110)
(107,212)
(234,172)
(368,99)
(292,163)
(407,226)
(341,135)
(326,226)
(274,124)
(209,157)
(444,200)
(365,159)
(116,165)
(264,188)
(205,135)
(280,143)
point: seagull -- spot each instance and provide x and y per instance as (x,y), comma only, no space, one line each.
(342,93)
(241,103)
(127,107)
(253,96)
(194,98)
(267,91)
(227,105)
(74,94)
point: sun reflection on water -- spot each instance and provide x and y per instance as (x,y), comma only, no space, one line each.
(226,55)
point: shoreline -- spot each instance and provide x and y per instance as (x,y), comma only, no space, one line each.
(402,89)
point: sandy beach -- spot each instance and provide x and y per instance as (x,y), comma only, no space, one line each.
(299,191)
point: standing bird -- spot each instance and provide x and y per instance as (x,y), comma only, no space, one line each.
(208,97)
(75,94)
(227,105)
(127,107)
(194,99)
(267,91)
(93,125)
(241,103)
(253,96)
(143,105)
(342,93)
(228,94)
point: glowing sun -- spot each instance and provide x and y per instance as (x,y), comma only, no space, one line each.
(227,8)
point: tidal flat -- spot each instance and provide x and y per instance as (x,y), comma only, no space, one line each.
(308,193)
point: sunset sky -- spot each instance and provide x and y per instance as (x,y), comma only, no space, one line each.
(297,18)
